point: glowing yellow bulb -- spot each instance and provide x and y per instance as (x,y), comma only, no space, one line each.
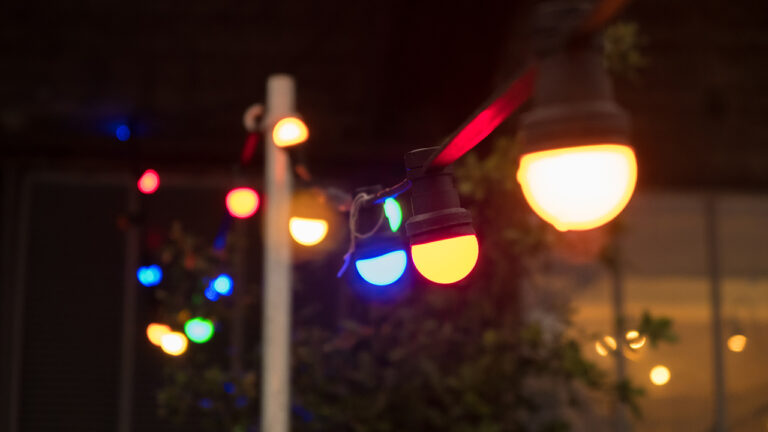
(610,342)
(289,131)
(174,343)
(307,232)
(579,188)
(660,375)
(446,261)
(600,349)
(634,340)
(155,332)
(737,343)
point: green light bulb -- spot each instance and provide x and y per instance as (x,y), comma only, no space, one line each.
(199,330)
(394,213)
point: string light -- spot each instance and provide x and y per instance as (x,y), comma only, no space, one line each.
(123,133)
(660,375)
(150,276)
(446,261)
(174,343)
(148,182)
(289,131)
(307,231)
(384,269)
(737,343)
(222,285)
(199,330)
(394,213)
(242,202)
(635,340)
(579,188)
(155,333)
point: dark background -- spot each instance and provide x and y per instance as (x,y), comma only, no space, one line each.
(375,79)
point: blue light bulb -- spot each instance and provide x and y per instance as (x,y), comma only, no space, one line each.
(211,293)
(384,269)
(150,276)
(123,133)
(222,284)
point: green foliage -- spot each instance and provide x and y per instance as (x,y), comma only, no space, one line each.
(657,329)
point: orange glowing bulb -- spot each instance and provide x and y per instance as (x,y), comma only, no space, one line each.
(174,343)
(446,261)
(242,202)
(579,188)
(289,131)
(155,333)
(148,182)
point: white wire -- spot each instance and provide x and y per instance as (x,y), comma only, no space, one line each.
(354,208)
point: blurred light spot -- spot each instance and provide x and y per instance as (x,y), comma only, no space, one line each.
(150,276)
(222,285)
(148,182)
(123,133)
(737,343)
(174,343)
(660,375)
(155,332)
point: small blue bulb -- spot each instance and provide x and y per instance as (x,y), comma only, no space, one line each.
(211,293)
(222,284)
(229,388)
(384,269)
(150,276)
(123,133)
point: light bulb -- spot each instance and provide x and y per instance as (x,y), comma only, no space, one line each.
(221,285)
(242,202)
(579,188)
(199,330)
(148,182)
(660,375)
(737,343)
(289,131)
(174,343)
(446,261)
(394,214)
(155,333)
(307,231)
(384,269)
(150,276)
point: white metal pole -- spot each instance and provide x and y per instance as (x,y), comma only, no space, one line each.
(275,394)
(713,257)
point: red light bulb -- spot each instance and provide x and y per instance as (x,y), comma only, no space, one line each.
(148,182)
(242,202)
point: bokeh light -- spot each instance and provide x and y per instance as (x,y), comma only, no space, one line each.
(199,330)
(446,261)
(737,343)
(174,343)
(150,276)
(242,202)
(394,213)
(155,333)
(635,340)
(660,375)
(384,269)
(222,285)
(579,188)
(123,133)
(307,231)
(289,131)
(148,182)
